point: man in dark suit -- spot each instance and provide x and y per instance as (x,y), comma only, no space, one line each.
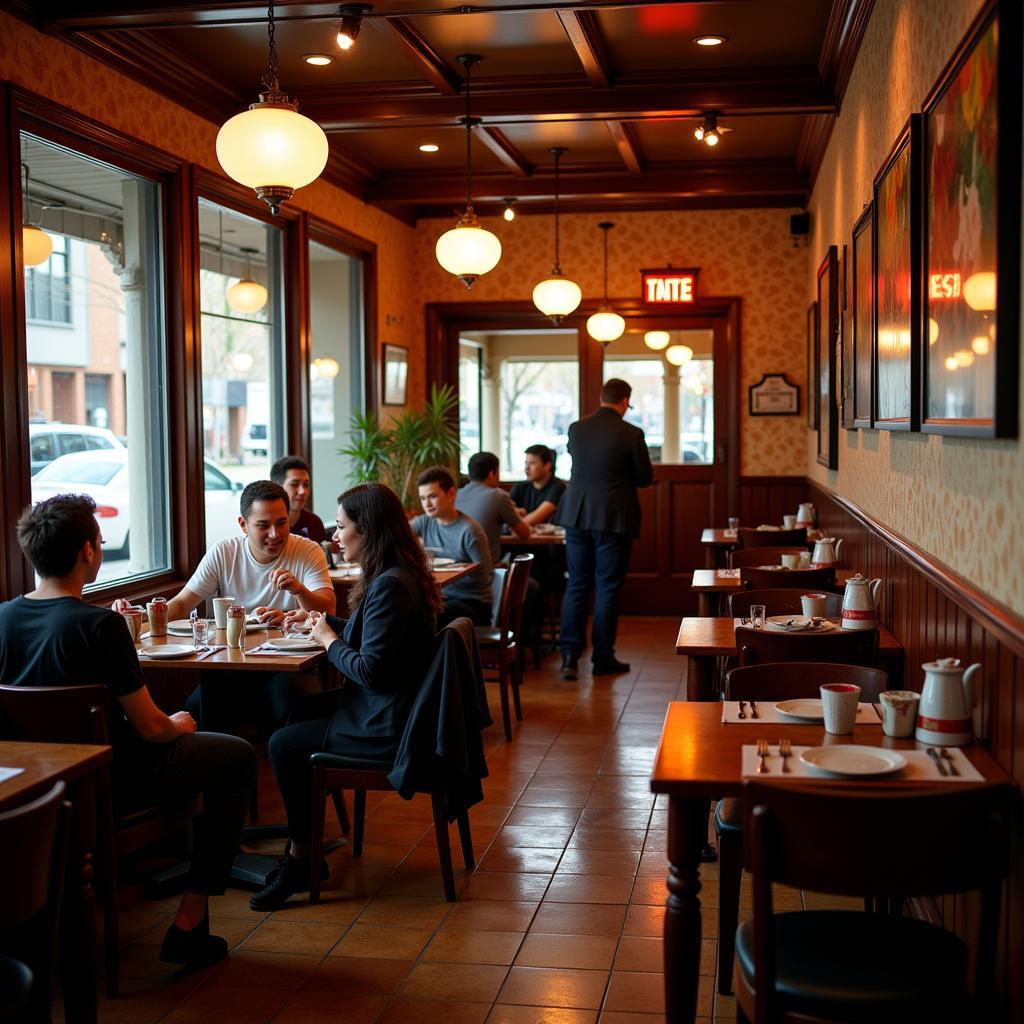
(601,515)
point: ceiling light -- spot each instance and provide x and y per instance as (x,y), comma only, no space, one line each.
(510,210)
(657,340)
(242,361)
(350,24)
(963,357)
(319,60)
(981,345)
(605,325)
(951,363)
(557,296)
(326,368)
(711,138)
(468,250)
(247,295)
(698,133)
(36,244)
(679,355)
(933,331)
(429,147)
(709,131)
(710,40)
(271,147)
(980,291)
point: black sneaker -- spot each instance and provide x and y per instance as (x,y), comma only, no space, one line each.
(194,949)
(570,663)
(610,667)
(291,876)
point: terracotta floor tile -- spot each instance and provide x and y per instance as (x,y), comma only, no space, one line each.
(579,861)
(281,971)
(607,839)
(507,885)
(572,797)
(360,975)
(590,889)
(618,1017)
(503,1014)
(141,1001)
(534,835)
(542,816)
(471,946)
(210,1002)
(638,953)
(319,1007)
(474,983)
(378,941)
(420,882)
(514,858)
(491,915)
(578,919)
(540,986)
(636,993)
(282,936)
(334,908)
(625,816)
(406,911)
(423,1011)
(583,952)
(650,920)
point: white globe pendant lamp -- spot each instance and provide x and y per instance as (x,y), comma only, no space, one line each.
(679,355)
(657,340)
(606,325)
(36,244)
(467,250)
(271,147)
(247,295)
(557,296)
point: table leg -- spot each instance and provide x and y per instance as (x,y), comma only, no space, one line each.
(700,677)
(710,556)
(687,830)
(704,605)
(78,941)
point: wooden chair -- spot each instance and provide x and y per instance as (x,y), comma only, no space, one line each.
(34,840)
(748,537)
(782,601)
(770,683)
(81,714)
(849,646)
(15,988)
(499,644)
(803,579)
(829,965)
(743,557)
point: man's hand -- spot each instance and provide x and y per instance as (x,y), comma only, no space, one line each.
(297,621)
(283,579)
(121,605)
(184,722)
(322,632)
(521,512)
(269,617)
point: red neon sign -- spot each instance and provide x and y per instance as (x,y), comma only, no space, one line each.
(944,286)
(669,287)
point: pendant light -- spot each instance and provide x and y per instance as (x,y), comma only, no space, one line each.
(557,296)
(247,295)
(605,325)
(271,147)
(468,250)
(657,340)
(36,244)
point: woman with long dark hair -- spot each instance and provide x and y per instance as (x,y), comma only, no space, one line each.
(383,650)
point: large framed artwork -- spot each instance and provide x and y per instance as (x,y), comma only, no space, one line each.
(395,374)
(972,172)
(812,366)
(897,237)
(862,301)
(827,331)
(844,357)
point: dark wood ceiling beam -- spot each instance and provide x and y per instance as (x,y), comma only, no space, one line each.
(625,138)
(426,59)
(813,143)
(499,144)
(588,41)
(847,23)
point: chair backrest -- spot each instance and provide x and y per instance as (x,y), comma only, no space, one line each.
(804,579)
(849,647)
(789,680)
(55,714)
(763,555)
(521,567)
(782,601)
(748,537)
(499,585)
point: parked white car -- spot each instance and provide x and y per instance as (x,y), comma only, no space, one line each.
(49,441)
(103,475)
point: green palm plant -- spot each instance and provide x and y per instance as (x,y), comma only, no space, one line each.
(368,448)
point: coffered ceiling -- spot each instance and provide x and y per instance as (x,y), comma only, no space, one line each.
(620,84)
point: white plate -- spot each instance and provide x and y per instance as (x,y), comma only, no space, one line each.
(168,651)
(803,709)
(795,622)
(853,760)
(765,528)
(292,643)
(183,627)
(776,627)
(774,568)
(438,562)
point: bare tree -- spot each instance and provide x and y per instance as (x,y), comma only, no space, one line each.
(518,379)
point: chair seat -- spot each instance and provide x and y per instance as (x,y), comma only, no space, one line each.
(352,764)
(729,816)
(861,967)
(490,636)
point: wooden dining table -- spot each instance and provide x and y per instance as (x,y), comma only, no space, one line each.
(698,760)
(717,542)
(534,540)
(708,583)
(343,578)
(74,764)
(703,638)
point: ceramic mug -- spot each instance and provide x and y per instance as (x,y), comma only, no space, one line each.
(789,522)
(839,704)
(813,605)
(791,561)
(220,611)
(899,711)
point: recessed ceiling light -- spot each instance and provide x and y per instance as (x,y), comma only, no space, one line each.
(710,40)
(429,147)
(319,59)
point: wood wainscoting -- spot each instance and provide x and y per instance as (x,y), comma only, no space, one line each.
(934,613)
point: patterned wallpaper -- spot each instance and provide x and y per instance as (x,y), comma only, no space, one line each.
(961,500)
(746,253)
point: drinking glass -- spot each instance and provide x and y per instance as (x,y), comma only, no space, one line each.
(432,554)
(734,523)
(200,633)
(757,616)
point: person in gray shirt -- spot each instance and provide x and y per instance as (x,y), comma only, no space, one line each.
(453,534)
(483,500)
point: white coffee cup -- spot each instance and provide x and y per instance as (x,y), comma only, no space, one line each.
(839,703)
(791,561)
(899,711)
(805,560)
(220,611)
(813,605)
(789,522)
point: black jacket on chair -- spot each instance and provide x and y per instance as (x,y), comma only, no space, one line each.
(609,462)
(442,741)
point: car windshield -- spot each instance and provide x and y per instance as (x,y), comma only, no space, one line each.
(85,471)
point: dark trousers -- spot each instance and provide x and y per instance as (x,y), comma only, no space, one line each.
(289,751)
(479,612)
(224,699)
(598,561)
(223,769)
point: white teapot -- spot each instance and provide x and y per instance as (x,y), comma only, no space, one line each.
(860,603)
(947,700)
(826,553)
(805,514)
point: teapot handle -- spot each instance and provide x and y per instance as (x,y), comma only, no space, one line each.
(839,546)
(970,691)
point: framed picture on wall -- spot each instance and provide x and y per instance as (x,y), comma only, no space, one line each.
(395,374)
(844,348)
(827,331)
(971,142)
(812,366)
(862,301)
(897,238)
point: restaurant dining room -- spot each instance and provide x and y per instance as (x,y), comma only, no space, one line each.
(511,512)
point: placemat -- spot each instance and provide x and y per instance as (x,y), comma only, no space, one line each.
(9,773)
(728,574)
(766,713)
(920,767)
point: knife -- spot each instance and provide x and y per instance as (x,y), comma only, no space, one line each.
(933,754)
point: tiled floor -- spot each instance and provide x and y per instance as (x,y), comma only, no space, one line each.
(559,924)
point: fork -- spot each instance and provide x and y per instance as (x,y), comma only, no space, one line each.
(948,758)
(762,752)
(741,713)
(753,711)
(785,752)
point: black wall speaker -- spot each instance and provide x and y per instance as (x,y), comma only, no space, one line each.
(800,223)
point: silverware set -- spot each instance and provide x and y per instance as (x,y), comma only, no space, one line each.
(742,711)
(763,752)
(943,761)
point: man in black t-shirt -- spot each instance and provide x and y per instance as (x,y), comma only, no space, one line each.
(292,473)
(537,497)
(51,637)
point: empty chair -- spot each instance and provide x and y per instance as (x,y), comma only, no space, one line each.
(748,537)
(768,579)
(34,838)
(780,681)
(851,646)
(837,965)
(782,601)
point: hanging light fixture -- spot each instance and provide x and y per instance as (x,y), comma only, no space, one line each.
(980,291)
(36,244)
(605,325)
(468,250)
(271,147)
(351,22)
(679,355)
(510,210)
(247,295)
(557,296)
(242,361)
(657,340)
(326,368)
(709,131)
